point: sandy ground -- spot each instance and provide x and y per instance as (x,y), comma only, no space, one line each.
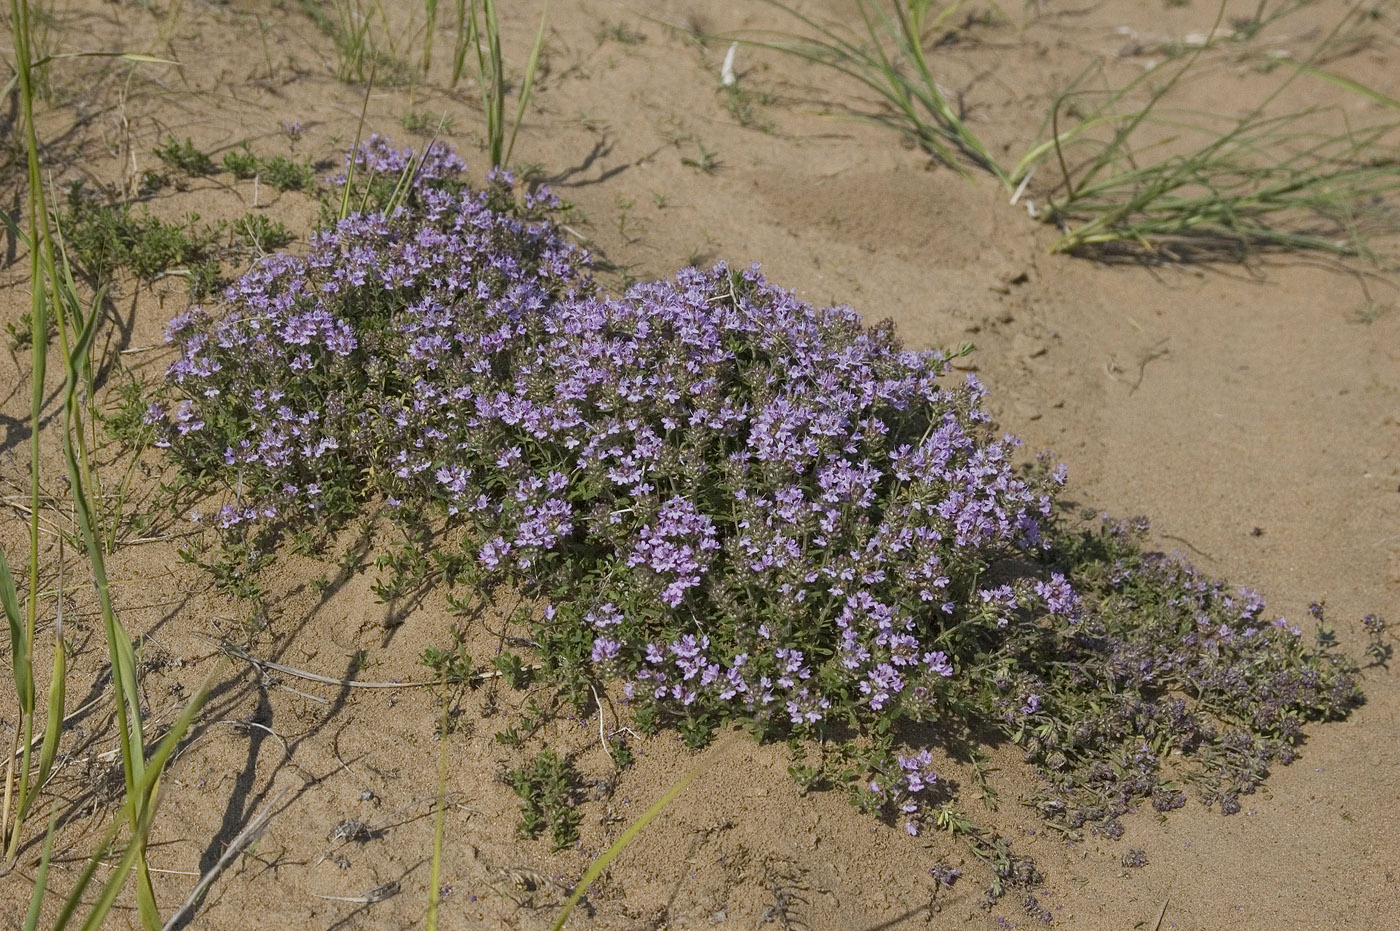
(1247,408)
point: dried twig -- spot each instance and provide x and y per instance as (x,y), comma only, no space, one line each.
(238,652)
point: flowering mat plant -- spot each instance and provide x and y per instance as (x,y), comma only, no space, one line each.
(740,508)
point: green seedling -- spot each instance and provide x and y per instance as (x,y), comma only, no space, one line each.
(548,790)
(105,238)
(513,670)
(744,106)
(279,171)
(620,33)
(707,161)
(422,123)
(255,231)
(185,156)
(242,163)
(605,859)
(287,174)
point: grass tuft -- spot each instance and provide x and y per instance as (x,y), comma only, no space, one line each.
(1149,181)
(1139,178)
(888,58)
(479,32)
(76,321)
(364,43)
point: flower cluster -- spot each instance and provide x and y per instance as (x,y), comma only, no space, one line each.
(676,548)
(743,506)
(314,355)
(785,507)
(906,788)
(378,156)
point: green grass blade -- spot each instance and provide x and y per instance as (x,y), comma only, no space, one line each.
(125,677)
(140,810)
(836,42)
(465,35)
(40,260)
(355,153)
(58,679)
(496,118)
(430,8)
(486,86)
(14,229)
(84,879)
(1348,84)
(596,868)
(1120,138)
(404,185)
(19,655)
(41,876)
(531,69)
(933,98)
(113,887)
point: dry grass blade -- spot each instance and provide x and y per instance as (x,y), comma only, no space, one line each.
(1157,925)
(377,894)
(430,922)
(251,832)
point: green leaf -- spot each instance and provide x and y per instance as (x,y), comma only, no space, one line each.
(19,641)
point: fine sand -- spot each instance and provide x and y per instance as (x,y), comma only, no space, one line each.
(1252,410)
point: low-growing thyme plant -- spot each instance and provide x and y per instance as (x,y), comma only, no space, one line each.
(743,508)
(106,237)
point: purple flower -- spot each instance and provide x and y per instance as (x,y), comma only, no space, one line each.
(757,507)
(676,548)
(1059,597)
(605,650)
